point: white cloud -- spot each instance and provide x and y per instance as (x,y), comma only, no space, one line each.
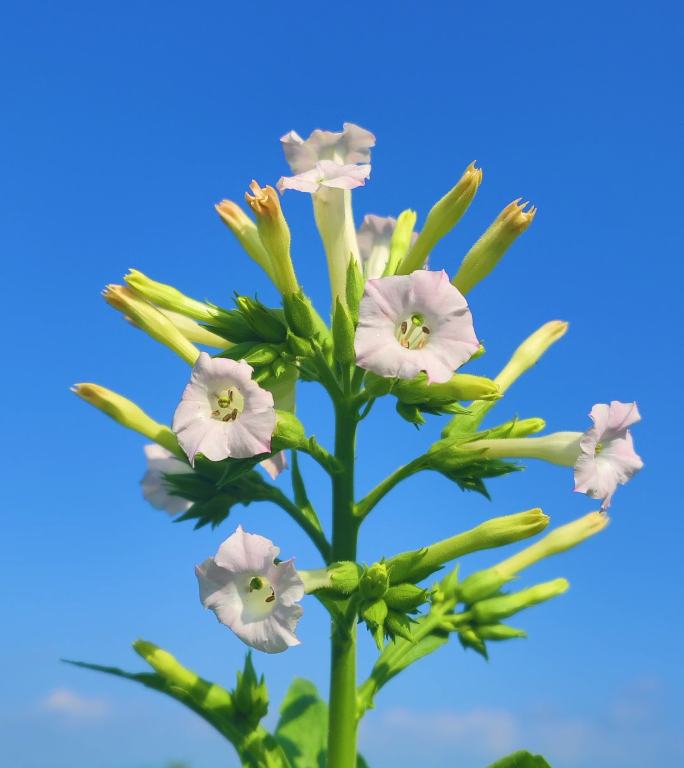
(76,705)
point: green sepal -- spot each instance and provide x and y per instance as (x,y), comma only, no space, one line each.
(267,324)
(410,413)
(405,597)
(354,289)
(299,313)
(232,326)
(470,639)
(397,624)
(343,334)
(250,697)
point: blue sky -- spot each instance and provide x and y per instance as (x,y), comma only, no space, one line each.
(122,125)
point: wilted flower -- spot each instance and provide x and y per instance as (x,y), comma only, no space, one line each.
(607,458)
(413,323)
(374,237)
(250,593)
(155,487)
(223,413)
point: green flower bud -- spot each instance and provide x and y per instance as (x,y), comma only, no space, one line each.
(443,216)
(493,609)
(377,385)
(375,613)
(288,433)
(300,314)
(265,322)
(405,597)
(275,235)
(129,415)
(344,576)
(499,632)
(250,697)
(343,334)
(410,413)
(488,250)
(518,428)
(400,241)
(195,332)
(374,581)
(262,354)
(482,584)
(354,288)
(151,320)
(469,639)
(461,386)
(168,297)
(232,325)
(298,346)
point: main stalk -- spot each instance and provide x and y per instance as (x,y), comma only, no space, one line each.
(342,724)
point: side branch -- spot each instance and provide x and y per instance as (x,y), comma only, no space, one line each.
(368,502)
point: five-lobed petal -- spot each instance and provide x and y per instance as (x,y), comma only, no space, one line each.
(224,413)
(326,173)
(413,323)
(607,456)
(351,145)
(251,594)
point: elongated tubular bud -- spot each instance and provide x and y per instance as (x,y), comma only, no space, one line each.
(494,609)
(529,352)
(496,532)
(167,297)
(461,386)
(400,242)
(246,232)
(443,217)
(195,332)
(488,250)
(275,235)
(129,415)
(151,320)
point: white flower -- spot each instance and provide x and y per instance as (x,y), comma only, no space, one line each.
(274,465)
(155,488)
(374,237)
(329,165)
(223,413)
(413,323)
(326,173)
(250,594)
(607,458)
(351,145)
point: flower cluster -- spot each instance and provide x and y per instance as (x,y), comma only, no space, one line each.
(397,329)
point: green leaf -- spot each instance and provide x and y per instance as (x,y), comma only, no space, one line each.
(521,759)
(302,729)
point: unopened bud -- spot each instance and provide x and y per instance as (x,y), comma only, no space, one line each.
(405,597)
(195,332)
(461,386)
(288,433)
(482,584)
(129,415)
(374,581)
(488,250)
(275,235)
(401,239)
(343,334)
(443,216)
(300,314)
(529,352)
(168,297)
(494,609)
(561,448)
(499,632)
(265,323)
(151,320)
(354,288)
(344,576)
(246,232)
(207,695)
(398,625)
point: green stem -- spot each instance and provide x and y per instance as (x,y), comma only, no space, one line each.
(368,502)
(342,724)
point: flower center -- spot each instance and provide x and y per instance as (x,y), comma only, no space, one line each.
(412,333)
(260,598)
(227,404)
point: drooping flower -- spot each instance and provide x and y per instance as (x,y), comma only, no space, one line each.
(223,413)
(326,173)
(413,323)
(374,237)
(155,487)
(329,165)
(607,456)
(250,593)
